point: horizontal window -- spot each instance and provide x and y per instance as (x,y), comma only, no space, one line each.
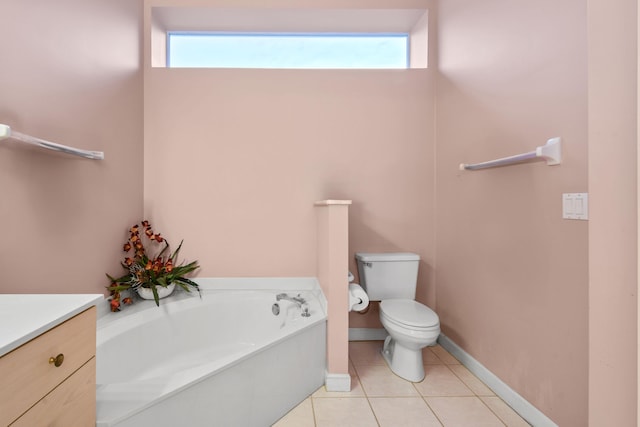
(287,50)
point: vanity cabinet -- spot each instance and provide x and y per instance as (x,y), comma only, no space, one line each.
(51,379)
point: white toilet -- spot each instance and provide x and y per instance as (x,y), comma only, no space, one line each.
(391,278)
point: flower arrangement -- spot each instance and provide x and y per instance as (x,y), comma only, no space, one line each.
(145,270)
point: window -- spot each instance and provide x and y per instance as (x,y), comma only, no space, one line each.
(287,50)
(258,37)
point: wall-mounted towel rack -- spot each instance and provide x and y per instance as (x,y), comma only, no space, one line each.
(551,152)
(6,132)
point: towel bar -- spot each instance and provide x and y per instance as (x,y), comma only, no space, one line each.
(551,152)
(6,132)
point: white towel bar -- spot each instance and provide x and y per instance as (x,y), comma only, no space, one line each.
(6,132)
(551,152)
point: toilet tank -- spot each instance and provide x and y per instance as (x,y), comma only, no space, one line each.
(388,275)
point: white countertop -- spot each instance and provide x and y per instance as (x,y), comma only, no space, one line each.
(25,316)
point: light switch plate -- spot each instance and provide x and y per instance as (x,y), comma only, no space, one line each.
(575,206)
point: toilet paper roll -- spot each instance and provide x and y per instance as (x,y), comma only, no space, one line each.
(358,298)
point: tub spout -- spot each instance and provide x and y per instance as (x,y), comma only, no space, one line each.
(300,302)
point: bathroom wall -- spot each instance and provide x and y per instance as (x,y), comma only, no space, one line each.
(613,224)
(235,159)
(71,74)
(511,274)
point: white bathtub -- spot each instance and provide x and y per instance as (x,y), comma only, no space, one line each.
(223,360)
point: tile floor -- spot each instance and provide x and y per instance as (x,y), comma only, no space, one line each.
(449,396)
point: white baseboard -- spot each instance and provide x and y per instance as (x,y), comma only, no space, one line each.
(337,382)
(525,409)
(367,334)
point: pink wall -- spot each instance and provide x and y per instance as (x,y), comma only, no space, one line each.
(71,74)
(258,147)
(250,151)
(613,285)
(511,274)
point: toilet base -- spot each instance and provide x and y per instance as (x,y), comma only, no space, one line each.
(402,361)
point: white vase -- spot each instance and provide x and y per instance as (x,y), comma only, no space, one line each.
(147,293)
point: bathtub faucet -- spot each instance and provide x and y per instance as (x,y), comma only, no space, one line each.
(297,300)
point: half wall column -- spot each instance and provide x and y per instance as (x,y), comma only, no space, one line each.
(333,270)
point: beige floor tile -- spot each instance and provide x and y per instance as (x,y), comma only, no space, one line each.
(477,386)
(463,412)
(300,416)
(378,380)
(403,412)
(366,352)
(343,412)
(381,398)
(429,357)
(444,355)
(504,412)
(439,380)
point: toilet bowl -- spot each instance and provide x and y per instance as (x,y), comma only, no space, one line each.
(391,278)
(411,327)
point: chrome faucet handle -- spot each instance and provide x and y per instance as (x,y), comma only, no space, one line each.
(298,300)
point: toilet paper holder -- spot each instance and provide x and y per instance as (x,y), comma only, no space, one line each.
(358,298)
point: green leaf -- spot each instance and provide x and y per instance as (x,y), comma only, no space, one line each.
(119,288)
(174,256)
(123,279)
(185,283)
(156,298)
(166,246)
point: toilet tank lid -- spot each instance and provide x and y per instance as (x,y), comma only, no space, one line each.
(387,256)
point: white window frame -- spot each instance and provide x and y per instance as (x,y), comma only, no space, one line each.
(289,61)
(166,19)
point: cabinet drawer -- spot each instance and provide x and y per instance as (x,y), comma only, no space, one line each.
(26,373)
(71,404)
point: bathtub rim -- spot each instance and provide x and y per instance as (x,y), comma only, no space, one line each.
(286,284)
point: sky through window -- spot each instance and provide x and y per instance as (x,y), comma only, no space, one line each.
(224,50)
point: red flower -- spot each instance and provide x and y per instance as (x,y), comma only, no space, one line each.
(145,264)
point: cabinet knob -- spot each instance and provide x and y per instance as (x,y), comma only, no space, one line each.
(56,361)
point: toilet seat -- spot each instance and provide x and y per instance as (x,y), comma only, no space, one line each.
(409,314)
